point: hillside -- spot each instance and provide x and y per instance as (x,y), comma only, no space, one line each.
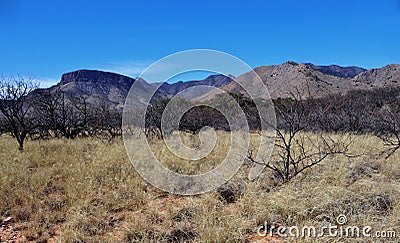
(97,86)
(282,81)
(212,80)
(387,76)
(335,70)
(300,79)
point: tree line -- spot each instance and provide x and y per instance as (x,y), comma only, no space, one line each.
(305,129)
(27,111)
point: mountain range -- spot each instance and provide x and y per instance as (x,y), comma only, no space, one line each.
(281,80)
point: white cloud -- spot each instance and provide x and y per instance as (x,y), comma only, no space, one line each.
(46,82)
(131,69)
(41,82)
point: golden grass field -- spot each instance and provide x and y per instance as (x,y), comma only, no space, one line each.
(87,190)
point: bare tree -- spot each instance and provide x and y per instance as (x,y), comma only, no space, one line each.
(16,106)
(296,148)
(387,127)
(54,111)
(72,116)
(4,126)
(153,118)
(47,110)
(200,116)
(82,114)
(105,119)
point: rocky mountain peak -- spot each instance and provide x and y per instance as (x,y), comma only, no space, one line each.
(291,63)
(94,76)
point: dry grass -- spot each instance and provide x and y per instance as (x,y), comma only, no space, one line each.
(87,190)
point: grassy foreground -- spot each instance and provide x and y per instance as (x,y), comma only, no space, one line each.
(87,190)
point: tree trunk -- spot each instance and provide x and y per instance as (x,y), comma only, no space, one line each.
(21,145)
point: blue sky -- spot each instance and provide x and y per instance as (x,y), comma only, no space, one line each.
(44,38)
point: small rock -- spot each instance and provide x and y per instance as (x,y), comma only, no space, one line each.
(7,220)
(230,192)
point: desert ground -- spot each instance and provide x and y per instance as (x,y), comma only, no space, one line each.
(86,190)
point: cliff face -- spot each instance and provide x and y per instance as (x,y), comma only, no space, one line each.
(97,86)
(97,77)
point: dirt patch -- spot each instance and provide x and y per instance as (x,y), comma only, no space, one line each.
(254,237)
(9,232)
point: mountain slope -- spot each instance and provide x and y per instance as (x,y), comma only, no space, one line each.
(290,78)
(212,80)
(111,88)
(97,86)
(387,76)
(282,81)
(335,70)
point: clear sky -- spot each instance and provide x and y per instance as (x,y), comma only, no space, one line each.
(45,38)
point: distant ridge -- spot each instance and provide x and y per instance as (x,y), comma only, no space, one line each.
(218,80)
(281,80)
(289,78)
(335,70)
